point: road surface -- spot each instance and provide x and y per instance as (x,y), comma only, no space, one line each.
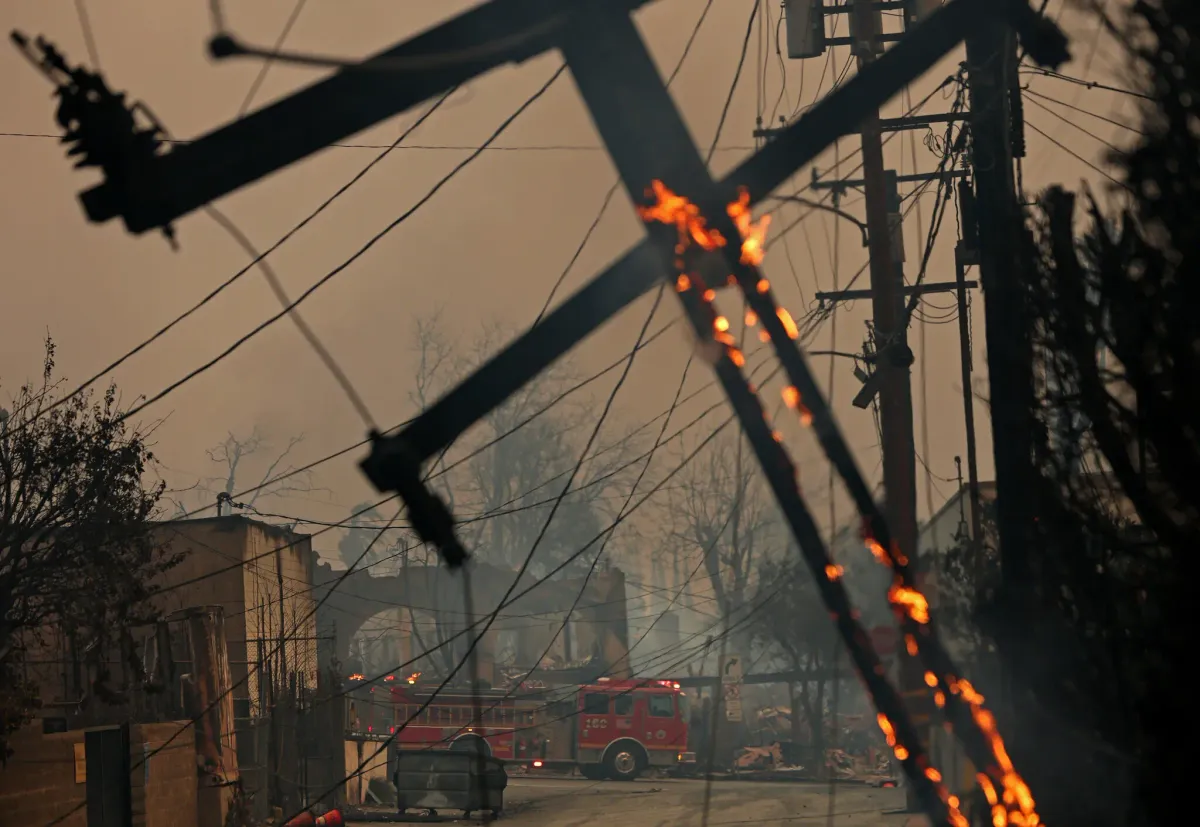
(559,802)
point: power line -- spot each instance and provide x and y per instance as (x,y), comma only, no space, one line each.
(89,37)
(247,268)
(266,64)
(1072,123)
(339,375)
(1083,111)
(1078,157)
(587,236)
(1089,84)
(589,148)
(358,254)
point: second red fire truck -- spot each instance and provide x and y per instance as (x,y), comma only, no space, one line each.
(608,729)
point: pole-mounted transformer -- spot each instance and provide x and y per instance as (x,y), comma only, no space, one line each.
(805,28)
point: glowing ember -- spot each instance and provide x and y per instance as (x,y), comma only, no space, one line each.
(751,318)
(930,680)
(753,234)
(762,286)
(789,323)
(911,600)
(709,295)
(791,397)
(878,550)
(683,283)
(834,572)
(721,324)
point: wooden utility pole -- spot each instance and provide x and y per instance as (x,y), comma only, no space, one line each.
(965,254)
(895,358)
(991,58)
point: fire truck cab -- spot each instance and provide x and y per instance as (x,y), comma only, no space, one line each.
(624,727)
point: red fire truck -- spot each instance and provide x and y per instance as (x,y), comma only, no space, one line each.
(608,729)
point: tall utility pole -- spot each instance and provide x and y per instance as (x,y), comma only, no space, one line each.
(991,61)
(887,304)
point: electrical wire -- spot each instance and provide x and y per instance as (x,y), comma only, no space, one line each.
(358,254)
(339,375)
(587,236)
(1079,128)
(1079,157)
(590,148)
(510,598)
(229,282)
(1128,126)
(1089,84)
(89,37)
(266,64)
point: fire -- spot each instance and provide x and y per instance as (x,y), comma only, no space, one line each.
(754,234)
(762,286)
(670,208)
(911,600)
(683,283)
(834,572)
(751,318)
(789,324)
(1016,805)
(721,324)
(878,550)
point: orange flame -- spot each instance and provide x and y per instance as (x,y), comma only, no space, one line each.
(911,600)
(791,397)
(789,324)
(762,286)
(670,208)
(751,318)
(683,283)
(834,572)
(754,234)
(721,324)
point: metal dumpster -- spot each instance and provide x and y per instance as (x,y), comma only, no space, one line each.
(443,780)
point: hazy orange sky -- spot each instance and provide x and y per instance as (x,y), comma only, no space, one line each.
(489,245)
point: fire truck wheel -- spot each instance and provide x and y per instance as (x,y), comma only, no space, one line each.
(592,772)
(625,760)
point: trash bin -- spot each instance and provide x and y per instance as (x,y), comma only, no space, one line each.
(443,780)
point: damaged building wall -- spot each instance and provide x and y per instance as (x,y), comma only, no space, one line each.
(46,778)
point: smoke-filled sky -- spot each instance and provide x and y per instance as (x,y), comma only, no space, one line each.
(489,246)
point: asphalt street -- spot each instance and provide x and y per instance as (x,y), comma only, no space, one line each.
(558,802)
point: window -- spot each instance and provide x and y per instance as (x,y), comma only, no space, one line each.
(623,704)
(595,703)
(662,706)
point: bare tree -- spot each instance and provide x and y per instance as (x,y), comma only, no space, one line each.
(520,458)
(76,555)
(722,510)
(235,455)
